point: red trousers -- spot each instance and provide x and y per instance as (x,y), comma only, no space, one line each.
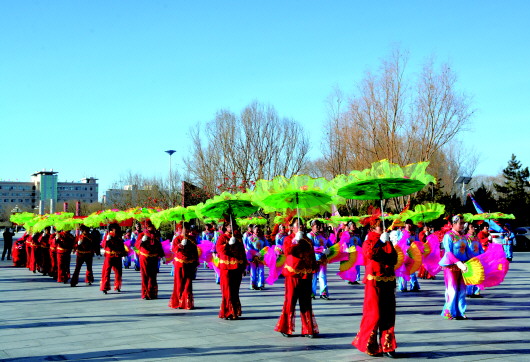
(230,281)
(379,317)
(63,266)
(53,263)
(80,260)
(297,289)
(45,261)
(35,259)
(182,296)
(29,252)
(110,263)
(148,272)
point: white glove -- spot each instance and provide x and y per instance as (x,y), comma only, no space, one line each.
(385,237)
(299,236)
(489,237)
(461,266)
(79,242)
(108,237)
(184,242)
(144,238)
(232,241)
(326,251)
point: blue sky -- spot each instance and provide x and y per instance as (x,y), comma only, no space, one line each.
(100,88)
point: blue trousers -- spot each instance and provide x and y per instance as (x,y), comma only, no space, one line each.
(322,278)
(257,274)
(455,294)
(508,250)
(414,284)
(472,289)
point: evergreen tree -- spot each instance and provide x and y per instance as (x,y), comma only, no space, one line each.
(514,191)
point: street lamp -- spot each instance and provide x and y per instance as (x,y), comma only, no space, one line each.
(15,210)
(464,180)
(170,153)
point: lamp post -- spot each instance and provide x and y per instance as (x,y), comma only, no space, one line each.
(170,153)
(15,210)
(464,180)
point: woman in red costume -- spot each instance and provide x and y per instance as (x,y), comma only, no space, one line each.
(300,265)
(150,250)
(232,264)
(64,243)
(44,246)
(186,261)
(18,253)
(376,333)
(85,252)
(114,250)
(484,235)
(53,256)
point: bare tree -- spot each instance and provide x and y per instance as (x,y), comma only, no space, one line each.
(135,190)
(402,118)
(231,151)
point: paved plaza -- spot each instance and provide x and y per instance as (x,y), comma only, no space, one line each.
(42,320)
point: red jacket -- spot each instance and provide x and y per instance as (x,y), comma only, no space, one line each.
(152,247)
(380,259)
(300,260)
(187,254)
(230,256)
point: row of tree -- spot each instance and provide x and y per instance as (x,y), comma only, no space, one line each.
(401,114)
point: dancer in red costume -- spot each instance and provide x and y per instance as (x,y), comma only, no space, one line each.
(484,235)
(150,250)
(114,250)
(64,243)
(34,255)
(376,333)
(186,261)
(85,252)
(53,256)
(44,246)
(28,240)
(18,253)
(232,264)
(300,265)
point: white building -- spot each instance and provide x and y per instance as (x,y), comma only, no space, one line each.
(45,191)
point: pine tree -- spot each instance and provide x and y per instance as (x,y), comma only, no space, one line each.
(513,193)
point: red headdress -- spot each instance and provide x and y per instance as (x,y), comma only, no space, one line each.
(374,218)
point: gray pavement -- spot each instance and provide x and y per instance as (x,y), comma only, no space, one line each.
(45,321)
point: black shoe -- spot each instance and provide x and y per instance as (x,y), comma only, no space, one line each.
(89,283)
(104,292)
(118,290)
(324,296)
(309,336)
(285,334)
(461,318)
(390,354)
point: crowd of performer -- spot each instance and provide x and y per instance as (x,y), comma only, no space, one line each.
(306,249)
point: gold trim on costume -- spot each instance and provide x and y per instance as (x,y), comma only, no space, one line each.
(381,279)
(148,255)
(230,262)
(301,271)
(182,261)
